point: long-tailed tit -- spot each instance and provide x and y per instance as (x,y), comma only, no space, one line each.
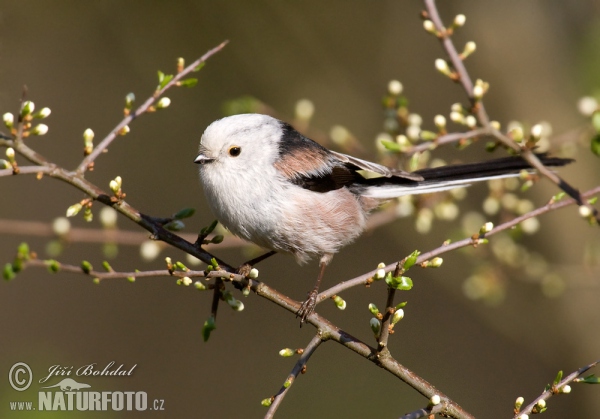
(268,184)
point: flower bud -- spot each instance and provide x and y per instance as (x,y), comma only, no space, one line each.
(74,210)
(380,274)
(457,117)
(125,130)
(585,211)
(478,91)
(373,309)
(253,273)
(440,121)
(199,285)
(471,121)
(40,129)
(486,228)
(587,105)
(10,154)
(519,402)
(375,326)
(381,265)
(536,131)
(395,87)
(435,399)
(187,281)
(42,113)
(286,352)
(129,100)
(442,66)
(8,119)
(27,108)
(61,226)
(163,103)
(398,315)
(541,403)
(459,20)
(469,49)
(88,136)
(115,184)
(565,389)
(339,302)
(429,26)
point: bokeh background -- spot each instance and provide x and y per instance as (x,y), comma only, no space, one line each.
(82,58)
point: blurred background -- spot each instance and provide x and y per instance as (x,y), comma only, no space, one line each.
(492,324)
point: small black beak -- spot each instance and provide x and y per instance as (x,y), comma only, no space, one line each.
(202,159)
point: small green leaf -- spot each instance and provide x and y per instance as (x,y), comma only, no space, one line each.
(23,251)
(200,66)
(207,230)
(217,239)
(391,146)
(209,326)
(411,260)
(558,377)
(402,283)
(107,266)
(184,213)
(8,273)
(53,265)
(590,379)
(401,305)
(175,225)
(163,79)
(188,82)
(595,145)
(86,266)
(214,263)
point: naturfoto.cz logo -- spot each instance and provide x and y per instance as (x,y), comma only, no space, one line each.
(69,394)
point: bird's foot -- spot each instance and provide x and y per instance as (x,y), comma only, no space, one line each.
(244,269)
(307,306)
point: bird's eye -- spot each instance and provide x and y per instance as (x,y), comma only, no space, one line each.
(235,151)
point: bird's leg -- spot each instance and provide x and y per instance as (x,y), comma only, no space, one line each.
(246,267)
(308,306)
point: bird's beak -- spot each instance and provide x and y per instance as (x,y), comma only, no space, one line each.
(203,159)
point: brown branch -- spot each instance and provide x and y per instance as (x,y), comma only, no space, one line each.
(368,277)
(103,145)
(300,367)
(479,110)
(555,389)
(445,139)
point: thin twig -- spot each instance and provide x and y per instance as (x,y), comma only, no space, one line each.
(479,109)
(298,368)
(103,145)
(445,139)
(367,278)
(555,389)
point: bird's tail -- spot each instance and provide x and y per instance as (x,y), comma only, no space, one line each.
(453,176)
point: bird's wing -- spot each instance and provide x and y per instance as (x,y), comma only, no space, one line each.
(376,168)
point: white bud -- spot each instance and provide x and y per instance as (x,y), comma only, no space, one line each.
(305,109)
(149,250)
(61,226)
(43,113)
(519,402)
(286,352)
(460,20)
(413,132)
(164,102)
(585,211)
(523,416)
(429,26)
(124,130)
(478,91)
(487,227)
(10,154)
(470,48)
(108,217)
(395,87)
(380,274)
(439,121)
(74,209)
(541,403)
(115,184)
(496,125)
(457,107)
(414,119)
(442,66)
(199,285)
(381,265)
(471,121)
(40,129)
(398,315)
(435,399)
(457,117)
(8,119)
(565,389)
(88,135)
(27,108)
(253,273)
(536,131)
(587,105)
(187,281)
(437,262)
(339,302)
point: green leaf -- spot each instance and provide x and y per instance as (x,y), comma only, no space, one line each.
(188,82)
(161,76)
(86,266)
(590,379)
(217,239)
(107,266)
(163,79)
(8,273)
(175,225)
(595,144)
(402,283)
(23,251)
(401,305)
(558,377)
(207,230)
(209,326)
(391,146)
(411,260)
(53,265)
(200,66)
(184,213)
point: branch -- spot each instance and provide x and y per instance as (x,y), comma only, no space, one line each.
(478,108)
(103,145)
(368,277)
(300,367)
(555,389)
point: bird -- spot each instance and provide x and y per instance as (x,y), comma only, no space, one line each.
(270,185)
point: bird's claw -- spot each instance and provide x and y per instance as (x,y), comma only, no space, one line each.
(307,306)
(244,270)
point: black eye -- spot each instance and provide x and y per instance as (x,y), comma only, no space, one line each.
(235,151)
